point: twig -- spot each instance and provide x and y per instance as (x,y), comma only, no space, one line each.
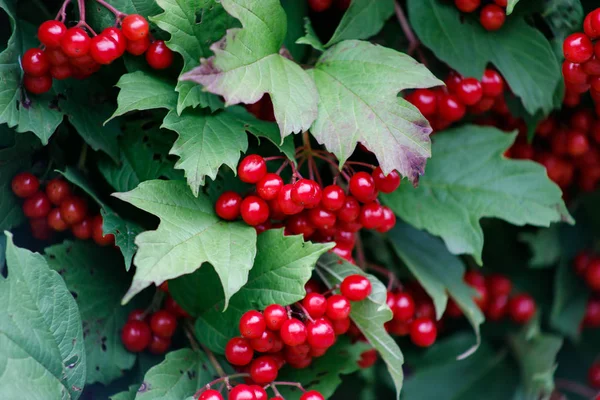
(392,280)
(189,332)
(118,14)
(413,42)
(360,253)
(62,13)
(221,379)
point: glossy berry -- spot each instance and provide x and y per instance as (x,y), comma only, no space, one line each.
(320,333)
(312,395)
(241,392)
(135,27)
(136,336)
(55,221)
(356,287)
(264,370)
(496,308)
(275,315)
(350,211)
(469,91)
(321,218)
(306,193)
(254,210)
(592,275)
(521,308)
(239,352)
(362,187)
(386,183)
(82,230)
(35,63)
(138,47)
(577,143)
(338,307)
(51,32)
(368,359)
(403,306)
(159,345)
(293,332)
(333,198)
(252,325)
(118,37)
(210,395)
(252,168)
(467,5)
(37,84)
(228,206)
(574,73)
(104,49)
(285,202)
(492,17)
(163,323)
(75,42)
(98,232)
(423,332)
(315,304)
(37,205)
(56,56)
(269,186)
(451,108)
(492,83)
(371,215)
(498,285)
(73,210)
(259,392)
(389,220)
(264,343)
(425,100)
(61,72)
(341,326)
(24,184)
(159,56)
(578,48)
(594,376)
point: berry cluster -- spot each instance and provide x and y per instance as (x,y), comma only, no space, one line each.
(152,331)
(491,16)
(71,52)
(57,209)
(446,105)
(291,340)
(581,69)
(587,266)
(323,5)
(321,214)
(251,392)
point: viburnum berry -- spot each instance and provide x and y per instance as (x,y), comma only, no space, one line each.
(492,83)
(73,210)
(574,73)
(118,37)
(371,215)
(56,57)
(163,323)
(137,47)
(275,315)
(239,352)
(425,100)
(264,370)
(577,143)
(592,275)
(368,359)
(37,84)
(285,202)
(82,230)
(104,49)
(389,220)
(159,56)
(259,392)
(241,392)
(338,307)
(312,395)
(98,235)
(136,336)
(591,318)
(341,326)
(450,108)
(254,210)
(469,91)
(252,324)
(293,332)
(315,304)
(37,205)
(61,72)
(269,186)
(51,32)
(403,306)
(350,211)
(135,27)
(252,168)
(423,332)
(159,345)
(498,285)
(24,184)
(578,48)
(320,5)
(386,183)
(321,218)
(35,63)
(55,221)
(210,394)
(173,307)
(467,5)
(594,376)
(492,17)
(306,193)
(228,206)
(333,198)
(362,187)
(75,42)
(320,333)
(264,343)
(521,308)
(356,287)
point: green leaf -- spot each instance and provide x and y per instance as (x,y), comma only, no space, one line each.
(511,6)
(569,301)
(143,91)
(536,354)
(282,267)
(358,86)
(310,38)
(193,27)
(563,17)
(207,141)
(41,340)
(520,52)
(126,395)
(324,373)
(180,375)
(369,315)
(296,12)
(439,272)
(247,64)
(469,179)
(190,233)
(544,245)
(363,19)
(95,278)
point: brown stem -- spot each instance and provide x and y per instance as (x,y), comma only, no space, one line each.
(62,13)
(118,14)
(392,280)
(413,42)
(225,379)
(360,253)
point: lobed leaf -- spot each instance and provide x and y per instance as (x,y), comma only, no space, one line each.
(363,19)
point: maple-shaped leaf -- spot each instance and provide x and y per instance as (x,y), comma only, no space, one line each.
(189,234)
(247,64)
(469,179)
(358,86)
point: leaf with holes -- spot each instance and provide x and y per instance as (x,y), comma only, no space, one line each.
(469,179)
(41,339)
(190,234)
(363,19)
(247,64)
(358,86)
(369,315)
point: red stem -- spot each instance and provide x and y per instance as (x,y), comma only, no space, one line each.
(274,158)
(285,164)
(361,164)
(62,13)
(306,314)
(295,384)
(118,14)
(222,379)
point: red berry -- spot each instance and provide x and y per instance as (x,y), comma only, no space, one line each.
(356,287)
(24,184)
(37,205)
(306,193)
(333,198)
(293,332)
(452,81)
(577,143)
(252,168)
(135,27)
(285,202)
(159,345)
(451,108)
(521,308)
(259,392)
(594,376)
(368,359)
(386,183)
(320,333)
(350,211)
(492,83)
(35,63)
(498,285)
(589,27)
(319,5)
(37,84)
(264,370)
(163,323)
(61,72)
(312,395)
(574,73)
(241,392)
(371,215)
(591,318)
(321,218)
(55,221)
(362,187)
(228,206)
(239,352)
(264,343)
(275,315)
(467,5)
(426,101)
(136,315)
(98,232)
(40,229)
(592,275)
(269,186)
(501,3)
(469,91)
(341,326)
(138,47)
(75,42)
(578,48)
(117,35)
(496,308)
(51,32)
(423,332)
(56,57)
(210,395)
(403,307)
(299,224)
(159,56)
(389,220)
(136,336)
(315,304)
(57,190)
(252,325)
(338,307)
(82,230)
(172,306)
(581,262)
(254,210)
(492,17)
(104,49)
